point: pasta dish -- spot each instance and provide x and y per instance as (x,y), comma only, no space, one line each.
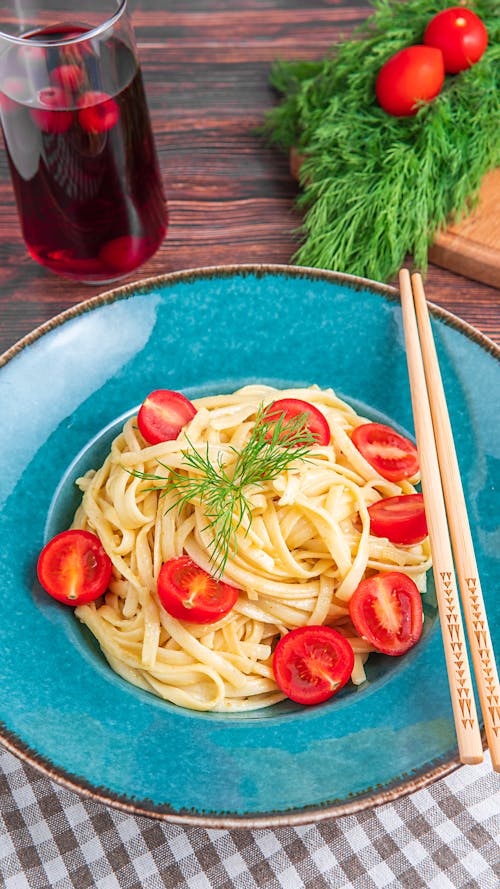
(295,560)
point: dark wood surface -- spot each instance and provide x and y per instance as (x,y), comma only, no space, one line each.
(231,198)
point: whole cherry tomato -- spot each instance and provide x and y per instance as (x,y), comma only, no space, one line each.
(460,35)
(411,76)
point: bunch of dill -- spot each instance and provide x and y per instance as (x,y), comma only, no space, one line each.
(377,187)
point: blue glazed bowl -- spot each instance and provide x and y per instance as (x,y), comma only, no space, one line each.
(67,389)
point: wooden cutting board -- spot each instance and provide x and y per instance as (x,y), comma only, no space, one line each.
(472,247)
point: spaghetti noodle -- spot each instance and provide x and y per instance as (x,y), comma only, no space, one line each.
(297,562)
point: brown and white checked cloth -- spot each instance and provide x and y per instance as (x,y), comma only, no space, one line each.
(446,836)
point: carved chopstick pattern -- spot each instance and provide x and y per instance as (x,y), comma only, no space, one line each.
(454,641)
(453,625)
(484,651)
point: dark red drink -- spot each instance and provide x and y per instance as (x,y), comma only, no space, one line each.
(81,155)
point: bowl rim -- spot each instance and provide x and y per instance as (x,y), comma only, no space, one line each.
(307,815)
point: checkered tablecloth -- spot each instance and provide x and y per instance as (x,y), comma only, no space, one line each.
(446,836)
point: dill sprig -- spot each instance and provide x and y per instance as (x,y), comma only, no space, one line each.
(222,487)
(377,187)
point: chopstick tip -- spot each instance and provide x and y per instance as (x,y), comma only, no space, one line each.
(404,282)
(471,759)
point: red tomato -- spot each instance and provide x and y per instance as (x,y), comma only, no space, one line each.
(289,408)
(460,35)
(163,414)
(312,663)
(386,609)
(187,592)
(392,455)
(401,519)
(74,568)
(69,77)
(98,112)
(52,116)
(411,76)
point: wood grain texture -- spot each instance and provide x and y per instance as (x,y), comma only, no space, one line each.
(471,246)
(231,197)
(452,630)
(476,619)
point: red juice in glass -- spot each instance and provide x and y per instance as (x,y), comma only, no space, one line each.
(81,153)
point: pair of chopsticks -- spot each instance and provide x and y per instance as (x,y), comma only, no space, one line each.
(447,517)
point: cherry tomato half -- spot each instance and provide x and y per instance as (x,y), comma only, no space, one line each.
(74,568)
(189,593)
(312,663)
(460,35)
(392,455)
(411,76)
(401,519)
(386,609)
(289,408)
(163,414)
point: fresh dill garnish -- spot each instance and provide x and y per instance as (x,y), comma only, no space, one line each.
(222,487)
(377,187)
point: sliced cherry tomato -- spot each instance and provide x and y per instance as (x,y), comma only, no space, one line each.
(289,408)
(386,609)
(189,593)
(74,568)
(401,519)
(312,663)
(411,76)
(392,455)
(52,115)
(163,414)
(98,112)
(460,35)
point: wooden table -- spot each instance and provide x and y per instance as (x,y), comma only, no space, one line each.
(231,198)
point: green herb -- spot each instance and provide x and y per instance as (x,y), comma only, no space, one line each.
(376,187)
(222,488)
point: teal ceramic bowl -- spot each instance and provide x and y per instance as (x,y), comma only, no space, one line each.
(64,392)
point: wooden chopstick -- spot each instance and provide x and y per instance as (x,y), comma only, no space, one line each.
(457,664)
(476,621)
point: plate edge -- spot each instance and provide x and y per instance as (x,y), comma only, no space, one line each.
(146,284)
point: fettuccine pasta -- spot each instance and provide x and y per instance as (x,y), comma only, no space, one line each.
(297,562)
